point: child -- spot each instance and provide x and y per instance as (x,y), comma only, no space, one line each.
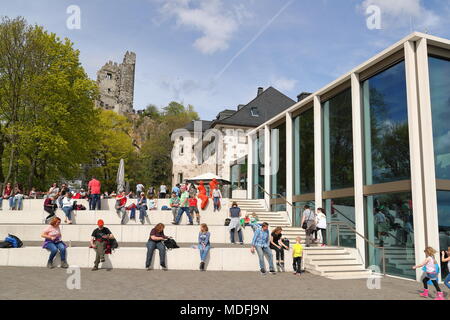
(254,218)
(193,208)
(431,273)
(297,253)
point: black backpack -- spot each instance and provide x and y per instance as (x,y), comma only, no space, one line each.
(171,244)
(227,222)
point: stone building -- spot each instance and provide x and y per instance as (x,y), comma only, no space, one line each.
(116,85)
(215,146)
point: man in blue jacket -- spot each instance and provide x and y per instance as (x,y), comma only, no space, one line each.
(260,244)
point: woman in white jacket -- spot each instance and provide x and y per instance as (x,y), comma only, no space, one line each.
(321,220)
(68,207)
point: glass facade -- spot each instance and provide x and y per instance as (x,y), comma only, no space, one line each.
(239,175)
(341,214)
(338,142)
(303,157)
(386,126)
(389,224)
(278,165)
(258,165)
(443,203)
(298,210)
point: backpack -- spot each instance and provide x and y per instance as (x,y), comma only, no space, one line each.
(80,207)
(5,244)
(165,208)
(171,244)
(285,242)
(15,241)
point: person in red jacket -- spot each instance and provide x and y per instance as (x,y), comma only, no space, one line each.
(121,202)
(193,208)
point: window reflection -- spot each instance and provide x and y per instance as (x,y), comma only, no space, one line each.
(278,165)
(341,214)
(303,158)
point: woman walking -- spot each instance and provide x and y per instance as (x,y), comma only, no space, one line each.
(203,244)
(321,220)
(276,243)
(308,223)
(431,273)
(155,241)
(53,243)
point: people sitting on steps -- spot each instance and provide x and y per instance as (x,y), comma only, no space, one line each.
(121,202)
(276,243)
(53,242)
(67,207)
(155,241)
(50,207)
(99,242)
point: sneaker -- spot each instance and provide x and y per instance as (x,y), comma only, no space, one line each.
(282,267)
(202,266)
(242,243)
(148,268)
(272,272)
(191,223)
(50,265)
(102,259)
(263,272)
(278,267)
(95,268)
(64,265)
(164,268)
(174,223)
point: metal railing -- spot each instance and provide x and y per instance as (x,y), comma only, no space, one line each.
(280,196)
(339,223)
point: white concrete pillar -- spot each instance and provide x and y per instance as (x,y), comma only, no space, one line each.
(318,151)
(250,165)
(289,165)
(415,153)
(267,165)
(429,172)
(358,164)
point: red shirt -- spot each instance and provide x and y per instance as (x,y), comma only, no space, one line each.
(122,200)
(192,202)
(94,186)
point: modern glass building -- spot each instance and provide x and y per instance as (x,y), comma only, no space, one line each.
(373,149)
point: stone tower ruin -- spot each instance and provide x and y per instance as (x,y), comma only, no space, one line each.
(116,85)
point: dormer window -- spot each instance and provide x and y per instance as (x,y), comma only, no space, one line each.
(254,112)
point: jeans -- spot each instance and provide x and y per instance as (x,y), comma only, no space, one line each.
(279,252)
(203,252)
(142,213)
(122,212)
(151,246)
(95,202)
(447,281)
(11,202)
(297,264)
(68,212)
(133,214)
(17,203)
(239,235)
(54,247)
(180,213)
(265,252)
(216,203)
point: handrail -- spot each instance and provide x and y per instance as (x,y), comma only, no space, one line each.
(338,223)
(277,194)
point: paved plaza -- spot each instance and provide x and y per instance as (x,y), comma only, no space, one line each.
(42,283)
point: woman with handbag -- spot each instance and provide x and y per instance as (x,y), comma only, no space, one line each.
(276,243)
(308,223)
(155,241)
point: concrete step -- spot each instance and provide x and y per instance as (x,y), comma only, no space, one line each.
(351,275)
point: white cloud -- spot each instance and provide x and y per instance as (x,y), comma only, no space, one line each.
(216,23)
(284,84)
(401,13)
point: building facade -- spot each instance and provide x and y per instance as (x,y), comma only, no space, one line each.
(116,85)
(373,149)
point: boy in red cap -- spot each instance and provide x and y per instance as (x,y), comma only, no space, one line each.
(100,237)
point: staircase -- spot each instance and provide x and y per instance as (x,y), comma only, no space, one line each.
(274,219)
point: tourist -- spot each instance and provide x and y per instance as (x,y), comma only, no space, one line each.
(203,244)
(184,206)
(18,198)
(254,218)
(151,192)
(321,227)
(152,203)
(297,253)
(83,194)
(444,259)
(176,189)
(381,225)
(174,203)
(113,195)
(7,193)
(67,207)
(260,244)
(235,223)
(121,202)
(162,191)
(308,223)
(192,190)
(60,198)
(94,188)
(193,208)
(99,241)
(155,241)
(33,193)
(54,190)
(276,243)
(53,243)
(431,273)
(216,195)
(50,207)
(139,188)
(142,207)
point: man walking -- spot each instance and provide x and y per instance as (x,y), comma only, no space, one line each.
(100,237)
(184,206)
(94,187)
(260,244)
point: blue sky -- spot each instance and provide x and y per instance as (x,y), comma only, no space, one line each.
(214,54)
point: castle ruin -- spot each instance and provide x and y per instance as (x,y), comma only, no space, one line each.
(116,85)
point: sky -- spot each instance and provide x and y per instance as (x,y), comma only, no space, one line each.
(214,54)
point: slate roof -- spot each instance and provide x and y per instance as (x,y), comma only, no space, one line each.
(205,125)
(268,104)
